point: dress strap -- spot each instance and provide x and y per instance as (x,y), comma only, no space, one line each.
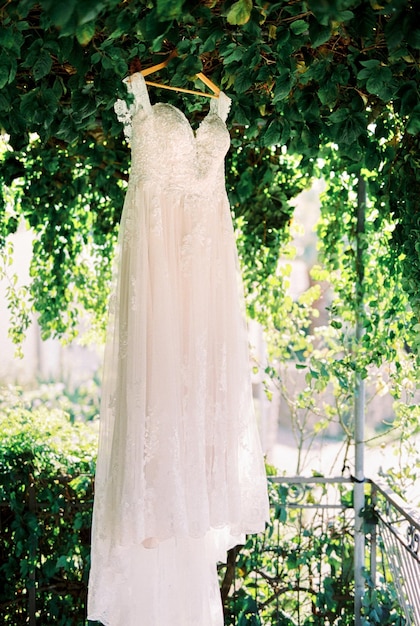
(136,86)
(221,105)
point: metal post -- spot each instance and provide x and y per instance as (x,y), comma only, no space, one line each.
(373,538)
(359,415)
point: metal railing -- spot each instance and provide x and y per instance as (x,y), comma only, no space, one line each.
(398,528)
(301,570)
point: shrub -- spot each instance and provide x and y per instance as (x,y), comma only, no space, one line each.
(80,402)
(46,491)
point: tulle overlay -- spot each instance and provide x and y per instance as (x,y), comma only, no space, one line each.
(180,474)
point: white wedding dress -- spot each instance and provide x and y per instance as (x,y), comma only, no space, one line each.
(180,473)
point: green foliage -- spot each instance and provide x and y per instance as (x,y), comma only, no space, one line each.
(387,319)
(79,402)
(265,182)
(17,297)
(404,476)
(46,470)
(301,570)
(74,233)
(240,12)
(302,75)
(314,351)
(381,606)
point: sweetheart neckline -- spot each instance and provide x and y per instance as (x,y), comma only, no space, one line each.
(136,85)
(187,120)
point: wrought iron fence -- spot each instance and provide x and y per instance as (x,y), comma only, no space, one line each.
(299,572)
(397,529)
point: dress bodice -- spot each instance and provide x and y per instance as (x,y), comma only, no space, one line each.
(165,148)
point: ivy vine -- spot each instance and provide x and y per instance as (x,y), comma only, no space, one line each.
(304,76)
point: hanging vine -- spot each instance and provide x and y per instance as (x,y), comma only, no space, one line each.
(302,75)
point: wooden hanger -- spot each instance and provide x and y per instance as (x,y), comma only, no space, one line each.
(200,75)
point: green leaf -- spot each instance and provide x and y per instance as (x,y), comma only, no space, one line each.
(88,10)
(371,63)
(50,99)
(6,38)
(327,93)
(11,39)
(272,134)
(298,27)
(85,33)
(210,43)
(151,28)
(349,130)
(157,43)
(285,132)
(394,32)
(408,98)
(4,76)
(243,81)
(28,103)
(345,16)
(81,484)
(339,116)
(240,12)
(169,9)
(413,38)
(370,67)
(413,124)
(379,79)
(62,562)
(283,36)
(329,11)
(378,82)
(234,53)
(318,34)
(4,101)
(42,65)
(60,11)
(282,88)
(32,53)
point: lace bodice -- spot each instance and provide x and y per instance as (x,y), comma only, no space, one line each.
(165,148)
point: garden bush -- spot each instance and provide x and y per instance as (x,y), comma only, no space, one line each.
(46,493)
(80,402)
